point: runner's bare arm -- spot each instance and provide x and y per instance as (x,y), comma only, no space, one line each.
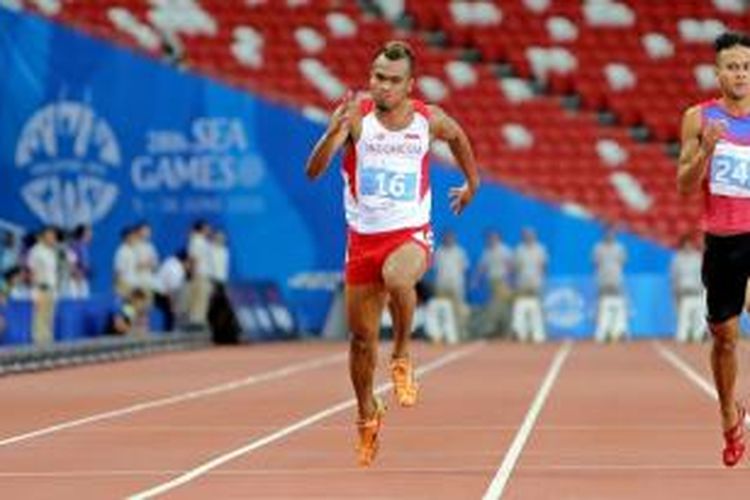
(446,128)
(697,147)
(338,132)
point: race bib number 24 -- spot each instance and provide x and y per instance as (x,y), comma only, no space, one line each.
(399,186)
(730,171)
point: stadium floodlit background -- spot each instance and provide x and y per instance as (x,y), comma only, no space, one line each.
(171,111)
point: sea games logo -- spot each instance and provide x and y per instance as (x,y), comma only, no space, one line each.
(565,307)
(205,166)
(67,151)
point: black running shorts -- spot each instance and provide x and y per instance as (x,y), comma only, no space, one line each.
(726,267)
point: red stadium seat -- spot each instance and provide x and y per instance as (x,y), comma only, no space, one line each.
(559,157)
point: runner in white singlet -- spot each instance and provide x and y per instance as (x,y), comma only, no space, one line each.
(387,199)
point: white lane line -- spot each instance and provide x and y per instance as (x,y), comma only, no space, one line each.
(238,472)
(85,473)
(179,398)
(497,486)
(625,467)
(687,370)
(694,376)
(290,429)
(327,471)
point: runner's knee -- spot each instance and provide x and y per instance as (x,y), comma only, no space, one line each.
(724,334)
(361,343)
(362,330)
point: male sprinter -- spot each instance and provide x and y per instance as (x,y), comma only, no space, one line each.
(715,157)
(387,199)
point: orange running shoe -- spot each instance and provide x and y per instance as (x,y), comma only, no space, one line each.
(735,440)
(404,385)
(368,435)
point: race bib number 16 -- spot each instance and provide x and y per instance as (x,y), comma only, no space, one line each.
(383,183)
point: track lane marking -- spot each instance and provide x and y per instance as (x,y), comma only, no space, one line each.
(277,373)
(690,373)
(297,426)
(497,485)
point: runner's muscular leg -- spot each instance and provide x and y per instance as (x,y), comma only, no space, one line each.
(724,366)
(364,305)
(402,270)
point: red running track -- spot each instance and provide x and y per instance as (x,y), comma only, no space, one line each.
(495,420)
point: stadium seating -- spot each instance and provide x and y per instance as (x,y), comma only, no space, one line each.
(506,70)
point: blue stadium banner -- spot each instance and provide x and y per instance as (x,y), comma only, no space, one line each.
(570,306)
(91,133)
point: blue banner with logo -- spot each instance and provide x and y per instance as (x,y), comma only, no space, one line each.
(92,133)
(570,306)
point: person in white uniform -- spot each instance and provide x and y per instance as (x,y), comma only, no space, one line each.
(496,264)
(171,287)
(43,265)
(219,258)
(689,296)
(531,258)
(609,258)
(147,258)
(451,265)
(126,263)
(201,284)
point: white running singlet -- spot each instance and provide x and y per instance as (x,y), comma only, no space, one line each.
(386,176)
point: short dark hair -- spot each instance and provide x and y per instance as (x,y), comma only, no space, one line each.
(730,39)
(395,50)
(80,230)
(200,225)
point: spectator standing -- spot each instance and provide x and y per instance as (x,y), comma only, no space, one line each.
(43,265)
(126,264)
(688,292)
(219,258)
(171,281)
(199,250)
(531,266)
(451,264)
(496,263)
(81,248)
(147,258)
(609,258)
